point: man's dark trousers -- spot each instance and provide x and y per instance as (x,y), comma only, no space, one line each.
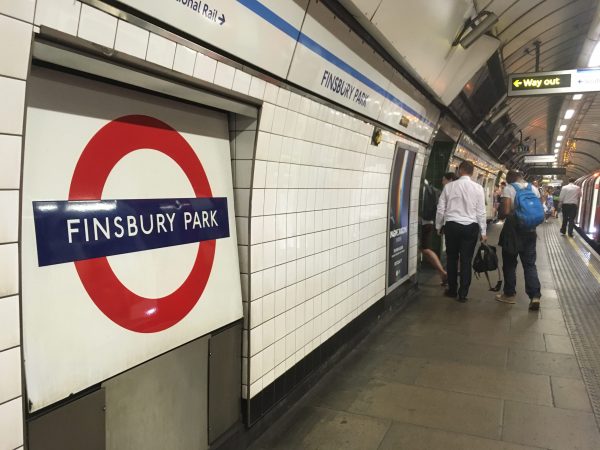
(569,212)
(527,254)
(460,245)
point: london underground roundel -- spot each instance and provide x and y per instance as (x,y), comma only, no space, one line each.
(86,229)
(107,147)
(128,243)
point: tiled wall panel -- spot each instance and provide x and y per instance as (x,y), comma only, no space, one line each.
(318,226)
(310,197)
(17,29)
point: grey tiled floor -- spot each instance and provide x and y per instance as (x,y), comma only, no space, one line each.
(444,375)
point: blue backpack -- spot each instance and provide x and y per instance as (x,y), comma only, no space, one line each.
(528,207)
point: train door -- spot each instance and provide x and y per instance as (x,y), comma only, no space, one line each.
(594,224)
(587,190)
(581,184)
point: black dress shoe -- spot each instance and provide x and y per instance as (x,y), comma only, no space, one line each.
(461,299)
(450,294)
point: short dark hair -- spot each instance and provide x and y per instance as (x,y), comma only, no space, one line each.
(503,183)
(513,175)
(571,180)
(466,167)
(450,176)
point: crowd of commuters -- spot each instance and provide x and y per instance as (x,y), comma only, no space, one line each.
(460,217)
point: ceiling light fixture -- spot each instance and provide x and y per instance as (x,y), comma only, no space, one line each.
(557,144)
(577,96)
(479,25)
(569,113)
(595,58)
(562,128)
(559,137)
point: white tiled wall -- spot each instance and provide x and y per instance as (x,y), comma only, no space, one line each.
(97,26)
(15,23)
(243,136)
(318,229)
(311,208)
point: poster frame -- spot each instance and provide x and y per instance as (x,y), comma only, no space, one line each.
(390,287)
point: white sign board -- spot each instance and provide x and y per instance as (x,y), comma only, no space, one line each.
(305,43)
(337,65)
(539,159)
(340,70)
(263,33)
(128,231)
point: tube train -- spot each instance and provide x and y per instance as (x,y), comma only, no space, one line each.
(588,216)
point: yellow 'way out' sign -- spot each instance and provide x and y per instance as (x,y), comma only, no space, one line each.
(558,82)
(524,83)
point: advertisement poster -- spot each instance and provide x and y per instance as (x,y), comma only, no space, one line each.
(399,207)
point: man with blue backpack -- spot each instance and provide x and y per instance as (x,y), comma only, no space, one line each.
(523,210)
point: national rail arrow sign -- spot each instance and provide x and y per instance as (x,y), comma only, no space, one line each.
(558,82)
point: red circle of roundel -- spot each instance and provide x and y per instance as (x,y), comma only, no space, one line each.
(112,142)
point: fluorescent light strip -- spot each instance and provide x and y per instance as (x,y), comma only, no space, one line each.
(569,113)
(577,96)
(559,137)
(562,128)
(595,58)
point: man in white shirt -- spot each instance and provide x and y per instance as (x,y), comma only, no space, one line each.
(461,213)
(569,199)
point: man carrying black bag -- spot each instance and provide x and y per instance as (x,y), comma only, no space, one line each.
(461,214)
(523,211)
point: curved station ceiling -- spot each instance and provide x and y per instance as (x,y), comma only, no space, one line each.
(528,36)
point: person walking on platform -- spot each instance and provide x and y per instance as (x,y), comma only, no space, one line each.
(428,212)
(519,240)
(498,200)
(548,204)
(569,200)
(461,212)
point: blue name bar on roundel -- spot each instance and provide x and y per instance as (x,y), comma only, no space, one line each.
(69,231)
